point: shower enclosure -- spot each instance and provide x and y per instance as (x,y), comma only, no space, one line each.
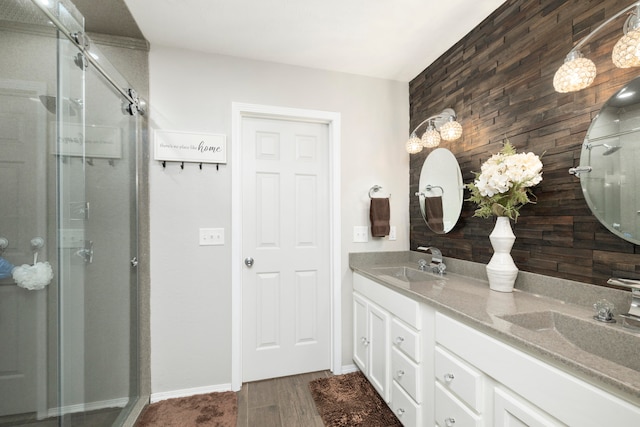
(70,133)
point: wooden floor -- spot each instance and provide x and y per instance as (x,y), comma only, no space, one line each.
(280,402)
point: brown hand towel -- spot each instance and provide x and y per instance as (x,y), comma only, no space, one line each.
(380,213)
(434,213)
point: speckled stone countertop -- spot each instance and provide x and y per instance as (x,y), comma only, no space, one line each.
(609,358)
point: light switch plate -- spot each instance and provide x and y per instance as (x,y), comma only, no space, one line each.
(360,234)
(211,236)
(392,232)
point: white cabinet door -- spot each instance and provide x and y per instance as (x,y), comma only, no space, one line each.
(371,348)
(512,411)
(379,350)
(360,333)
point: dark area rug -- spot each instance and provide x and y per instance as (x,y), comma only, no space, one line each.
(349,400)
(202,410)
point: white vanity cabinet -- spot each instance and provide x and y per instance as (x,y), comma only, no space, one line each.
(481,381)
(394,348)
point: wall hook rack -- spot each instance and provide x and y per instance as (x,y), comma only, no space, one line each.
(200,164)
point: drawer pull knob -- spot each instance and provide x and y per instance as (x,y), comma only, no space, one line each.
(449,422)
(365,341)
(400,373)
(399,340)
(448,377)
(400,411)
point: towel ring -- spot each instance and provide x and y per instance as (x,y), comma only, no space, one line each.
(430,187)
(374,190)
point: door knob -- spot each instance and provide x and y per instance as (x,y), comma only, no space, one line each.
(248,261)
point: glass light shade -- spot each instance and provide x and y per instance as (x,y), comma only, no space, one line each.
(451,130)
(574,75)
(431,137)
(414,144)
(626,53)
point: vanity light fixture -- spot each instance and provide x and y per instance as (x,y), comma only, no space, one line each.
(441,126)
(578,72)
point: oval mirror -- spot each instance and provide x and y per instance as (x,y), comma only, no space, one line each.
(440,190)
(612,151)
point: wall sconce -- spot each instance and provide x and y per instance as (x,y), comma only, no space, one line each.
(578,72)
(441,126)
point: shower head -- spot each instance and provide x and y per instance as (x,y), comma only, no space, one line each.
(609,149)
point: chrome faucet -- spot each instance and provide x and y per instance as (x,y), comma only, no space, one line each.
(437,266)
(604,311)
(633,316)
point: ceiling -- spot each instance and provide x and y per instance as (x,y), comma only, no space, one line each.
(390,39)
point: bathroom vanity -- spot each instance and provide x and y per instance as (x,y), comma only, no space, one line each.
(447,351)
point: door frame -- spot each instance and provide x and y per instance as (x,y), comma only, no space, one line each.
(239,111)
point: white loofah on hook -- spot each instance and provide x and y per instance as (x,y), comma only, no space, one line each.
(33,277)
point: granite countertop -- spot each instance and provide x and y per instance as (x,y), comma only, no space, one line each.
(609,358)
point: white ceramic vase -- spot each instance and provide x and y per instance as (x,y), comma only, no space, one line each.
(501,270)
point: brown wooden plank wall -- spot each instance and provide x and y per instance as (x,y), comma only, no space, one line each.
(499,79)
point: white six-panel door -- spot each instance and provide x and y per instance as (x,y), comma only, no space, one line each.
(286,321)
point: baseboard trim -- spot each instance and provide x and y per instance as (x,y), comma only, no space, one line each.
(347,369)
(157,397)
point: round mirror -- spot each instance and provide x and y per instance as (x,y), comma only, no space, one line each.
(440,190)
(609,172)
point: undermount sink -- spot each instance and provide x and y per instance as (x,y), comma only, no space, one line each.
(606,342)
(406,274)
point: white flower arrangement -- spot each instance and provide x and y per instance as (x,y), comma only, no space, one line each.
(503,185)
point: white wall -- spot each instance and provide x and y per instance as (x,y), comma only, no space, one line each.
(190,284)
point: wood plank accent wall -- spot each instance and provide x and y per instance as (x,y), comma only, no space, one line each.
(499,79)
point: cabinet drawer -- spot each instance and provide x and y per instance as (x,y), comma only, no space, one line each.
(512,410)
(451,412)
(407,411)
(460,378)
(399,305)
(407,374)
(406,339)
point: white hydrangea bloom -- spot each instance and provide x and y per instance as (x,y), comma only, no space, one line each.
(500,172)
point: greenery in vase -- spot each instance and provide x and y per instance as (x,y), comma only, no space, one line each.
(503,185)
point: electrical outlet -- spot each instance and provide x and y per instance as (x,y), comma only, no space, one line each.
(360,234)
(392,232)
(211,236)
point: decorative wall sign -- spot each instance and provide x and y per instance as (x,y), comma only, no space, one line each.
(101,142)
(190,147)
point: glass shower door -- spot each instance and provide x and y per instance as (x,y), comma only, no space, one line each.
(97,235)
(71,217)
(110,277)
(68,156)
(25,126)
